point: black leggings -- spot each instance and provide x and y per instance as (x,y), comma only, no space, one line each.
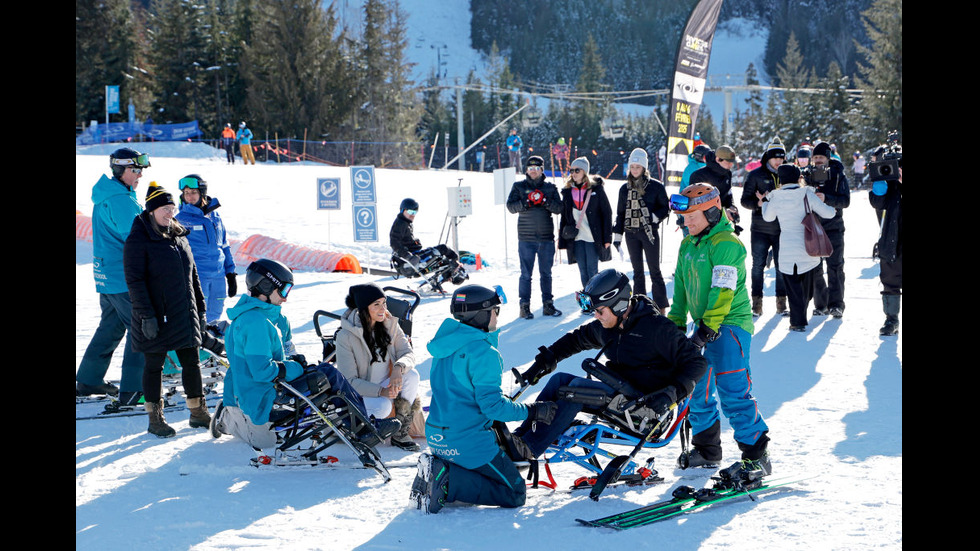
(638,244)
(190,373)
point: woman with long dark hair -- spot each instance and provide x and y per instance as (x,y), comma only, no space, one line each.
(375,355)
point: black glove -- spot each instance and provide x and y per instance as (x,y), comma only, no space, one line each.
(703,335)
(544,363)
(300,359)
(543,412)
(281,376)
(232,284)
(150,328)
(661,400)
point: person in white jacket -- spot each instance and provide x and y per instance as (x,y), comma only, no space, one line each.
(785,205)
(375,355)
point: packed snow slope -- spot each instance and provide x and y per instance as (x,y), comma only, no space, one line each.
(831,397)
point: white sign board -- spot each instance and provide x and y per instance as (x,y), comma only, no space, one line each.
(503,180)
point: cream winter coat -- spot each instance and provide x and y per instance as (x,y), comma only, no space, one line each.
(785,204)
(354,358)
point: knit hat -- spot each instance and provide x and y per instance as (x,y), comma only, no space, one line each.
(581,162)
(361,296)
(638,157)
(788,173)
(822,148)
(774,149)
(535,160)
(157,197)
(725,153)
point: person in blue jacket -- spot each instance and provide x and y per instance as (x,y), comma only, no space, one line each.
(695,162)
(209,242)
(260,353)
(244,137)
(466,464)
(514,145)
(115,207)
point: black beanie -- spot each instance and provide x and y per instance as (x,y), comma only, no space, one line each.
(361,296)
(822,148)
(157,197)
(788,173)
(535,160)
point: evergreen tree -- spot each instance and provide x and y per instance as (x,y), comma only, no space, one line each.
(796,112)
(179,59)
(297,80)
(589,112)
(881,74)
(104,53)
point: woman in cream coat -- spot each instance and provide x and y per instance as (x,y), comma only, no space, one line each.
(375,355)
(785,204)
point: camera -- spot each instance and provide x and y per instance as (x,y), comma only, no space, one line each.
(888,168)
(815,175)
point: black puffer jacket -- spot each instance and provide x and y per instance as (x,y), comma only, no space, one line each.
(598,214)
(534,222)
(837,193)
(762,180)
(649,351)
(163,284)
(401,237)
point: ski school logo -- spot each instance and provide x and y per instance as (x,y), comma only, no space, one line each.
(436,438)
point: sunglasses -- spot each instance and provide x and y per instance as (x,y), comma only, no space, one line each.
(535,167)
(411,212)
(575,170)
(135,170)
(189,182)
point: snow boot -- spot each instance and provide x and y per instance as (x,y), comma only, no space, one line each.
(892,304)
(837,312)
(781,308)
(756,306)
(200,418)
(526,311)
(158,424)
(384,429)
(109,389)
(431,485)
(405,412)
(550,310)
(695,458)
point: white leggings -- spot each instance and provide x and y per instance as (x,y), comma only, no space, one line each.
(380,406)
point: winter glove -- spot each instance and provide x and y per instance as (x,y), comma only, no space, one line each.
(300,359)
(212,343)
(544,363)
(661,400)
(281,375)
(150,328)
(703,335)
(543,412)
(535,197)
(232,284)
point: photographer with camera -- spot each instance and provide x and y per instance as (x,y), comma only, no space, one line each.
(827,176)
(886,197)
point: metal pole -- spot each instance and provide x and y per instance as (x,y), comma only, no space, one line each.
(499,124)
(460,140)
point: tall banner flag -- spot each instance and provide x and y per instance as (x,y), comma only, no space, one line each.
(690,76)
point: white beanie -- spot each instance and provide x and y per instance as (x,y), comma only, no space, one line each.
(581,162)
(638,157)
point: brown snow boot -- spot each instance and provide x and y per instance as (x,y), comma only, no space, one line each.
(781,306)
(158,425)
(756,306)
(200,418)
(405,412)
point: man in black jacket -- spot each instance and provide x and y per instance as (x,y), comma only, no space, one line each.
(765,235)
(535,201)
(833,189)
(643,349)
(886,196)
(717,171)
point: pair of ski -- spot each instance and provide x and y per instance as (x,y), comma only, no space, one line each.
(685,499)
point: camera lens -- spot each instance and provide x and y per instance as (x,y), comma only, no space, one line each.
(886,170)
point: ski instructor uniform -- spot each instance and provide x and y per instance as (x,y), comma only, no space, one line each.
(709,284)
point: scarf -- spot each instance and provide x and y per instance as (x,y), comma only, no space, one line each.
(637,212)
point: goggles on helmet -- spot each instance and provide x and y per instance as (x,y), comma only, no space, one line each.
(584,302)
(284,290)
(140,161)
(682,203)
(189,182)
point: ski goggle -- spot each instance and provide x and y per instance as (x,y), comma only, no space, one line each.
(584,302)
(683,203)
(189,182)
(140,161)
(284,290)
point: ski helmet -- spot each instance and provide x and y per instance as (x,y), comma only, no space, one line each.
(699,152)
(695,197)
(192,181)
(126,157)
(609,288)
(266,275)
(472,304)
(408,204)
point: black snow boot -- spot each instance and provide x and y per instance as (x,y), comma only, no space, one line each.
(526,311)
(550,310)
(892,305)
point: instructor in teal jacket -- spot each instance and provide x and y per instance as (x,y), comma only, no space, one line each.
(466,463)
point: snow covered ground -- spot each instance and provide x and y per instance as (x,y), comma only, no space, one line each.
(831,396)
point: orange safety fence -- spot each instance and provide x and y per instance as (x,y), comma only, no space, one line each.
(295,256)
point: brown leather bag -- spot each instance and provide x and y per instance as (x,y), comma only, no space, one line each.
(814,237)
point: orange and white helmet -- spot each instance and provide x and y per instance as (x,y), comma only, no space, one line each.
(695,197)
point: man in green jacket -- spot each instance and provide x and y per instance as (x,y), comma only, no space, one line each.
(709,284)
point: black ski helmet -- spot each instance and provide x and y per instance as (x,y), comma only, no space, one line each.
(266,275)
(699,152)
(408,204)
(472,304)
(124,157)
(609,288)
(193,181)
